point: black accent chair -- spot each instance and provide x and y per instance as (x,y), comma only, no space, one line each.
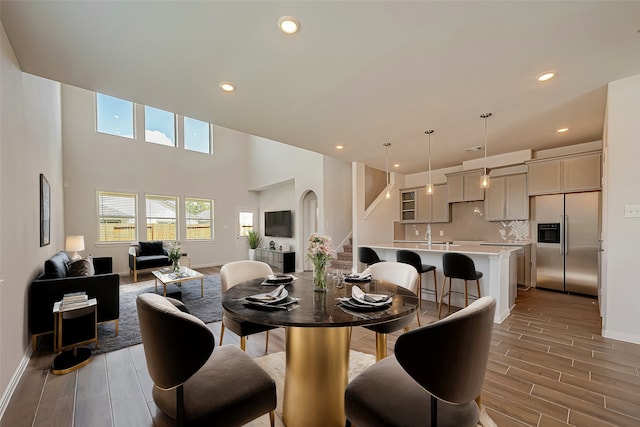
(194,383)
(368,256)
(144,255)
(434,379)
(412,258)
(458,266)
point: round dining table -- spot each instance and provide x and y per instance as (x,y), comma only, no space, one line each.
(318,331)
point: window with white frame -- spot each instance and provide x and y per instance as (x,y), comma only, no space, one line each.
(159,126)
(199,218)
(197,135)
(114,116)
(162,217)
(116,216)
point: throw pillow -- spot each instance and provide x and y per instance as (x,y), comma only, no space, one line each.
(56,266)
(151,248)
(81,267)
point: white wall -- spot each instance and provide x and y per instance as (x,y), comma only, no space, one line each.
(30,144)
(621,280)
(271,164)
(95,161)
(337,200)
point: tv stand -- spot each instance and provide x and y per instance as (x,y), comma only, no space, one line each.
(284,261)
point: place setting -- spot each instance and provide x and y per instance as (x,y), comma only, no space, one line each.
(277,299)
(278,279)
(362,301)
(357,278)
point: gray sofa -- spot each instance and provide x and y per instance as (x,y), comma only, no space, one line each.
(144,255)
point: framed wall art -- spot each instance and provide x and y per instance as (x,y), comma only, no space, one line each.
(45,211)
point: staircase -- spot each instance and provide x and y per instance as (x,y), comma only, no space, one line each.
(344,259)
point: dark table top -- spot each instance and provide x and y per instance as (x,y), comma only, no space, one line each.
(318,309)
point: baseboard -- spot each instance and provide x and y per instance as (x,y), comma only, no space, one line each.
(17,375)
(620,336)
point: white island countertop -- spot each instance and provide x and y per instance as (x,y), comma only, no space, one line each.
(481,248)
(497,264)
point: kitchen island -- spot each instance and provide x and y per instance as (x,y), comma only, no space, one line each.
(497,264)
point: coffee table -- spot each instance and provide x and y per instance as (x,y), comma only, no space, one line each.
(185,274)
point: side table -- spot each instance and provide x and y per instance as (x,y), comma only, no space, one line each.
(73,327)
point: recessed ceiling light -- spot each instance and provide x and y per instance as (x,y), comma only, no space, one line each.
(562,130)
(546,76)
(396,165)
(227,87)
(339,147)
(289,25)
(472,149)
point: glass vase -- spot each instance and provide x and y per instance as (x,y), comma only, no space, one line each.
(320,277)
(176,266)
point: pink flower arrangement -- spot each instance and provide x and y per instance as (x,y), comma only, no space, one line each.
(319,251)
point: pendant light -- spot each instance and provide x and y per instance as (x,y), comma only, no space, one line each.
(484,179)
(429,185)
(386,146)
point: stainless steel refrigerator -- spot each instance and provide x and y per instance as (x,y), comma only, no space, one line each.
(568,233)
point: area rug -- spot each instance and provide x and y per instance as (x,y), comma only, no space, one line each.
(275,365)
(207,308)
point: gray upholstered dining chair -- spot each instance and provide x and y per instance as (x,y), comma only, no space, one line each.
(231,274)
(194,383)
(434,379)
(399,274)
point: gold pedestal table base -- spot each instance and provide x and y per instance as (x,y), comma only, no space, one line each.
(316,376)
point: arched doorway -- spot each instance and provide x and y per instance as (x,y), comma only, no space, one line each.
(309,224)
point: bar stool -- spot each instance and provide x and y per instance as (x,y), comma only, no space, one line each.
(412,258)
(368,256)
(458,266)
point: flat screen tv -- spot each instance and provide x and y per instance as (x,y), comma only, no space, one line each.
(278,224)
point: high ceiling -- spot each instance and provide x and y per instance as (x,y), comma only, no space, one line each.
(359,73)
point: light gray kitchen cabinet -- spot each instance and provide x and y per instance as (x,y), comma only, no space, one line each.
(408,205)
(465,186)
(416,205)
(565,175)
(507,198)
(439,204)
(582,173)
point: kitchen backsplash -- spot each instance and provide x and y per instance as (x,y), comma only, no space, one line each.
(468,223)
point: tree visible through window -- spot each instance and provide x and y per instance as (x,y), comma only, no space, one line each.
(162,218)
(116,217)
(199,218)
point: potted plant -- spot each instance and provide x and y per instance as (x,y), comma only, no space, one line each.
(254,240)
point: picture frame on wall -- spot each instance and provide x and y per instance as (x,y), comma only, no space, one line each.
(45,211)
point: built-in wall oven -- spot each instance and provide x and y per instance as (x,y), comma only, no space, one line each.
(549,232)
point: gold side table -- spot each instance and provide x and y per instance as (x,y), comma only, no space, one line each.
(73,327)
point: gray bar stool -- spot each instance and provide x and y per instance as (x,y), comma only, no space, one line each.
(412,258)
(458,266)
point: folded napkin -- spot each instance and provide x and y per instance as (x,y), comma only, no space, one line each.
(359,295)
(357,277)
(277,294)
(279,278)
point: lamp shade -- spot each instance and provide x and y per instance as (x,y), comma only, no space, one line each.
(74,244)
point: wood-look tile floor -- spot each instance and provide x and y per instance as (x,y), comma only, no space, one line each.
(549,366)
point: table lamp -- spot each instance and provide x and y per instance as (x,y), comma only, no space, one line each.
(74,244)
